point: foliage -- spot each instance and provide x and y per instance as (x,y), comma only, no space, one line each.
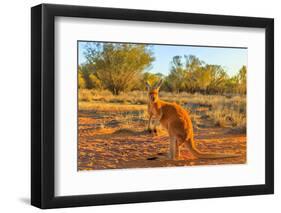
(81,80)
(119,67)
(196,76)
(87,79)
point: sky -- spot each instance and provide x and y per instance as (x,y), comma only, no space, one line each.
(231,59)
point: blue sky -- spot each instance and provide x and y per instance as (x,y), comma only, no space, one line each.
(231,59)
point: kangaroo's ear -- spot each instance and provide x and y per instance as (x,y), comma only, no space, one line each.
(158,85)
(147,86)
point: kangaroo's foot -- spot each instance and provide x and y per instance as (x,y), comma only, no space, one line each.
(171,156)
(175,156)
(152,158)
(161,153)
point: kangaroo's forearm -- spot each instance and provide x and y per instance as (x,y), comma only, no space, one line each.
(149,121)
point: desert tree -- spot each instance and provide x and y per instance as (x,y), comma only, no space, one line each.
(152,79)
(194,75)
(86,77)
(178,76)
(81,80)
(119,67)
(217,79)
(242,76)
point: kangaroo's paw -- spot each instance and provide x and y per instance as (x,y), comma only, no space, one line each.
(155,131)
(149,130)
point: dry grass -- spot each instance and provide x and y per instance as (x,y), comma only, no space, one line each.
(223,111)
(104,106)
(229,118)
(134,97)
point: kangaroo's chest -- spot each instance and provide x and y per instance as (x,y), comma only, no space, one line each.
(154,111)
(159,114)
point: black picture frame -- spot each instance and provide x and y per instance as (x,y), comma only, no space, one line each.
(43,102)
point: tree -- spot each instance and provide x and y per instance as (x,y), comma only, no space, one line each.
(151,78)
(81,80)
(119,67)
(196,76)
(242,76)
(177,77)
(217,79)
(231,85)
(87,78)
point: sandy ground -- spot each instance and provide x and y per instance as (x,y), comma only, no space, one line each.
(105,142)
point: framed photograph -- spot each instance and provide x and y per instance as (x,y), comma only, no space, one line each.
(136,106)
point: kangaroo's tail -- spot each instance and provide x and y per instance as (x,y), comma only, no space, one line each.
(194,150)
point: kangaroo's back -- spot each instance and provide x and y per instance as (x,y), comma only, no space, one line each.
(176,120)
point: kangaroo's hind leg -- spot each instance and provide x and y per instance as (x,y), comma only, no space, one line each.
(173,149)
(191,149)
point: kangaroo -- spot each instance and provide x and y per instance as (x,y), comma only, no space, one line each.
(175,119)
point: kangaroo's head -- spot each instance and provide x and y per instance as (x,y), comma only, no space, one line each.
(153,91)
